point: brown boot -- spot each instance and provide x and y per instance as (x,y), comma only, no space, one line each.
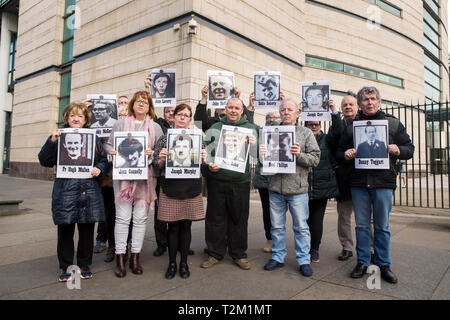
(135,266)
(120,270)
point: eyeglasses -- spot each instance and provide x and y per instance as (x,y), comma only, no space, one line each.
(182,115)
(313,125)
(142,102)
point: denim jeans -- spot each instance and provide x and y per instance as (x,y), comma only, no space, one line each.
(380,200)
(298,206)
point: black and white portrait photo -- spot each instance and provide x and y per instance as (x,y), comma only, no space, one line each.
(183,159)
(233,148)
(370,139)
(221,88)
(315,96)
(130,161)
(162,87)
(278,141)
(104,113)
(267,89)
(76,150)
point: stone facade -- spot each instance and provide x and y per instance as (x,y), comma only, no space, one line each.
(119,42)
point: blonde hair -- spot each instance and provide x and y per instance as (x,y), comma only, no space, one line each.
(74,106)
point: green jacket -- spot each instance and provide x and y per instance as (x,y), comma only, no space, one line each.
(212,140)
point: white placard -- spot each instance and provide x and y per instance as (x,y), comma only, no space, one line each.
(183,160)
(371,139)
(221,88)
(163,88)
(315,96)
(130,162)
(76,153)
(233,147)
(104,113)
(278,141)
(267,87)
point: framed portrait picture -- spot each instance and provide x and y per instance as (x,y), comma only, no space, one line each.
(76,153)
(267,87)
(233,147)
(104,113)
(278,141)
(183,160)
(371,141)
(221,88)
(130,163)
(163,87)
(315,96)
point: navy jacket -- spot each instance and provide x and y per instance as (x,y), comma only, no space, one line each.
(75,200)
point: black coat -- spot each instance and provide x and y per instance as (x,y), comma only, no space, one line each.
(75,200)
(341,169)
(376,178)
(322,179)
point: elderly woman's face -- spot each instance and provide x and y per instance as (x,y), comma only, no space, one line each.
(76,119)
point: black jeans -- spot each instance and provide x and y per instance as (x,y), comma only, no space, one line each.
(105,229)
(264,196)
(226,222)
(65,246)
(315,221)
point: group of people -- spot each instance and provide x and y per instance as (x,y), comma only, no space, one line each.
(324,170)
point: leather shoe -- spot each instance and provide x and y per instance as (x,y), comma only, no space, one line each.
(345,255)
(184,270)
(120,271)
(135,266)
(388,275)
(159,251)
(272,265)
(191,252)
(171,270)
(359,271)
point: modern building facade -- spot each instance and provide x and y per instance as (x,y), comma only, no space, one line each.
(67,49)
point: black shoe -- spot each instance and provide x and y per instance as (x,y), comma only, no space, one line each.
(272,265)
(191,252)
(388,275)
(109,254)
(171,270)
(345,255)
(359,271)
(159,251)
(184,270)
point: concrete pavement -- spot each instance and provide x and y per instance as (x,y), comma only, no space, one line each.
(420,244)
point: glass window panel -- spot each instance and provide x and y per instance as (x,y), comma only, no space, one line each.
(10,65)
(315,62)
(388,7)
(433,66)
(431,34)
(432,79)
(433,6)
(390,79)
(65,84)
(360,72)
(63,102)
(431,47)
(331,65)
(432,93)
(67,54)
(68,30)
(430,20)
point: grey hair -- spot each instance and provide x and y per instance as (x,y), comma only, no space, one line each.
(367,90)
(235,100)
(292,101)
(268,114)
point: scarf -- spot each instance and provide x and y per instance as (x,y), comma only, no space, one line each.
(138,191)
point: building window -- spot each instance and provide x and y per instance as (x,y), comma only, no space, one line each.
(12,61)
(353,70)
(387,6)
(432,48)
(64,94)
(68,32)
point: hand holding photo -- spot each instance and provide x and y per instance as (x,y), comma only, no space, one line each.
(315,96)
(104,113)
(221,88)
(233,148)
(162,88)
(130,161)
(278,141)
(370,139)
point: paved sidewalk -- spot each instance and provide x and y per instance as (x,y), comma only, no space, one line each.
(420,245)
